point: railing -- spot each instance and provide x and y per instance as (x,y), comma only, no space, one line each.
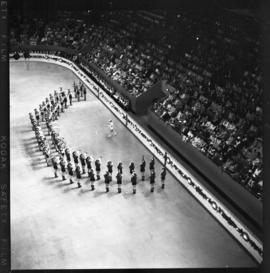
(246,238)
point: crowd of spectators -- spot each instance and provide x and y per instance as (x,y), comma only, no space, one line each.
(212,61)
(221,115)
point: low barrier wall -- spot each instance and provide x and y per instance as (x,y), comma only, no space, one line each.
(142,103)
(245,237)
(43,48)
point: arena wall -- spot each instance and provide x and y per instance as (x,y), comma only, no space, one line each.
(145,100)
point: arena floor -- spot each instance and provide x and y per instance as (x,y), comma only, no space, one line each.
(55,225)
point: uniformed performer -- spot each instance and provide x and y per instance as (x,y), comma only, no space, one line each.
(84,92)
(131,167)
(120,168)
(65,101)
(98,168)
(56,97)
(88,164)
(62,104)
(110,167)
(74,85)
(47,153)
(83,162)
(75,156)
(78,94)
(152,180)
(57,109)
(48,105)
(63,168)
(51,99)
(78,175)
(30,116)
(142,168)
(37,116)
(61,149)
(152,165)
(163,176)
(81,89)
(32,121)
(42,114)
(119,181)
(70,97)
(134,181)
(70,172)
(55,162)
(68,155)
(92,178)
(107,180)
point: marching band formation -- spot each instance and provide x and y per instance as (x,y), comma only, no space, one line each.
(75,165)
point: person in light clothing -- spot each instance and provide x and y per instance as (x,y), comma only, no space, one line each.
(111,128)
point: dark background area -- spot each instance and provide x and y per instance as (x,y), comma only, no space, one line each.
(54,5)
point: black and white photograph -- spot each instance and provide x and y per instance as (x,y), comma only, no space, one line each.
(135,134)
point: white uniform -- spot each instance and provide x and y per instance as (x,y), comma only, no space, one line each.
(111,127)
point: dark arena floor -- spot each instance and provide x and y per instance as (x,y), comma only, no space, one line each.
(55,225)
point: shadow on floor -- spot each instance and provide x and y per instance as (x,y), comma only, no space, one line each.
(70,189)
(48,178)
(51,182)
(112,193)
(98,193)
(82,191)
(60,185)
(128,195)
(126,182)
(148,193)
(27,131)
(37,160)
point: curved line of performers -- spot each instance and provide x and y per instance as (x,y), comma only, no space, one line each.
(52,106)
(84,162)
(49,110)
